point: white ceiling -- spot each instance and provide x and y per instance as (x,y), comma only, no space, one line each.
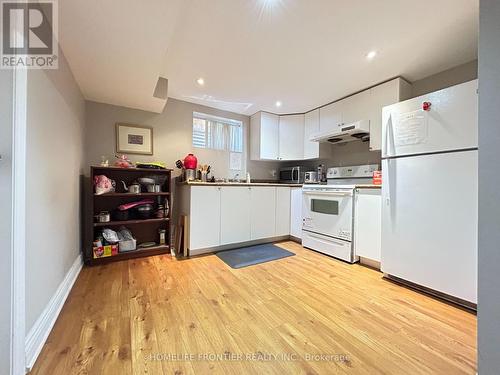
(252,53)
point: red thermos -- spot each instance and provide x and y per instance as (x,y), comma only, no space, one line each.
(190,162)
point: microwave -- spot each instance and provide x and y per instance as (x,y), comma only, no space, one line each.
(292,175)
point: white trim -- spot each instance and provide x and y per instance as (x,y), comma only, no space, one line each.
(40,331)
(18,242)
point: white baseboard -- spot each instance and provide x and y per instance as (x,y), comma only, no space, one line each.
(40,331)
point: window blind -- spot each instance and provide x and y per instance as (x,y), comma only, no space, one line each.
(217,133)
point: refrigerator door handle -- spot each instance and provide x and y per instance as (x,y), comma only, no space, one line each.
(389,138)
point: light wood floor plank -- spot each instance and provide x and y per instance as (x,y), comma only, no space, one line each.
(130,317)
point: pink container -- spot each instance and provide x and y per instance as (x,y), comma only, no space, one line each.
(190,162)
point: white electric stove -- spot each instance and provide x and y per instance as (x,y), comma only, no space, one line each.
(328,211)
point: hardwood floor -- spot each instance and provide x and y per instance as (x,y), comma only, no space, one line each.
(132,317)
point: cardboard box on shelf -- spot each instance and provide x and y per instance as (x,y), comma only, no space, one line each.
(105,251)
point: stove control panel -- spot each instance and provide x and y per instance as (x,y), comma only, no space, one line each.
(352,172)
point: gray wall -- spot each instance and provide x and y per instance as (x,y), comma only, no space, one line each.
(172,136)
(56,120)
(489,192)
(5,215)
(454,76)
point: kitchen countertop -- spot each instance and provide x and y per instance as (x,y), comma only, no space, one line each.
(199,183)
(368,186)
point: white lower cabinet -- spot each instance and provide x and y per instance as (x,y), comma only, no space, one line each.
(282,211)
(224,215)
(296,212)
(368,224)
(262,212)
(234,214)
(204,228)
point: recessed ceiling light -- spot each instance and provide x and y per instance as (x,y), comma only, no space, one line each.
(200,81)
(278,104)
(370,55)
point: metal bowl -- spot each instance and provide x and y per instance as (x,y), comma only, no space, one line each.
(146,181)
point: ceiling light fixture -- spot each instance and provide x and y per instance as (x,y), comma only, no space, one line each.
(278,104)
(370,55)
(200,81)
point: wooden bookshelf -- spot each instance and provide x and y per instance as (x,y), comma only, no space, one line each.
(144,230)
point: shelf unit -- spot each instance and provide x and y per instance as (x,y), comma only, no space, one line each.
(129,222)
(144,230)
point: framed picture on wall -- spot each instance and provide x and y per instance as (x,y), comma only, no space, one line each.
(134,139)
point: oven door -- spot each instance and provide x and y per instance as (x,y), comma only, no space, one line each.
(328,212)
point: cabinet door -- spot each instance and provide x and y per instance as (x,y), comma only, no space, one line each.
(311,126)
(381,96)
(269,136)
(282,211)
(367,224)
(255,121)
(204,221)
(296,212)
(234,214)
(291,145)
(262,211)
(356,108)
(330,117)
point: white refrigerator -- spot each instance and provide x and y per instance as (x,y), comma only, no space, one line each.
(429,191)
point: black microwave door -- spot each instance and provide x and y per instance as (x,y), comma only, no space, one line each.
(286,175)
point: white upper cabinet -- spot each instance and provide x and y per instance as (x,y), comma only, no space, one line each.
(264,136)
(330,117)
(274,137)
(382,95)
(311,126)
(291,137)
(356,108)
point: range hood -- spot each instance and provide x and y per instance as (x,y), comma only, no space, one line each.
(355,131)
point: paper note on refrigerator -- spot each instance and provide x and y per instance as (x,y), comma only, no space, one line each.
(410,128)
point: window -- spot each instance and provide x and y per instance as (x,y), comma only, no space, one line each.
(217,133)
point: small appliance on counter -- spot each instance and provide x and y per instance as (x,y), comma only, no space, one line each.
(311,177)
(321,173)
(292,175)
(189,167)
